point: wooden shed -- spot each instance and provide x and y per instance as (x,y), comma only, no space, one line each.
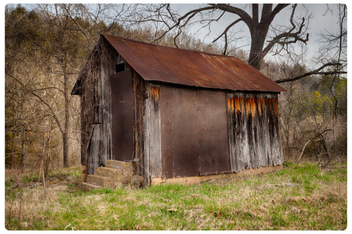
(175,113)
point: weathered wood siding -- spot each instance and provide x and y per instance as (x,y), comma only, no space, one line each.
(108,58)
(253,130)
(149,123)
(241,126)
(139,94)
(90,112)
(96,107)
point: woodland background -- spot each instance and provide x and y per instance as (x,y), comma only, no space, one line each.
(46,45)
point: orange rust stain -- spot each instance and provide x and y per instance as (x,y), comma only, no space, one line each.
(275,106)
(248,107)
(238,102)
(154,93)
(230,105)
(142,86)
(259,103)
(253,105)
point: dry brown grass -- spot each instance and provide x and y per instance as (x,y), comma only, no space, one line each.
(300,197)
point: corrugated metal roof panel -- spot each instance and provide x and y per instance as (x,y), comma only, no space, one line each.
(191,68)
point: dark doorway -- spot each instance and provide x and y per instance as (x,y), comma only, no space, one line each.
(122,116)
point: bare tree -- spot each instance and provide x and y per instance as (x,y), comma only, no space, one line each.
(258,23)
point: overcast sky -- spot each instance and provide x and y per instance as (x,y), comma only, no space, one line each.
(321,21)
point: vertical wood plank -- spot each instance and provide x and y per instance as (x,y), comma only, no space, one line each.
(241,132)
(231,118)
(103,144)
(139,135)
(266,136)
(278,137)
(246,133)
(276,134)
(251,129)
(93,160)
(154,131)
(257,129)
(135,111)
(83,132)
(272,131)
(107,68)
(260,131)
(146,127)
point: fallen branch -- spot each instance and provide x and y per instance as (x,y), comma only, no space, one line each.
(299,158)
(304,147)
(34,185)
(12,187)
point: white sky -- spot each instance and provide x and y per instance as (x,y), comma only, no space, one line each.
(320,22)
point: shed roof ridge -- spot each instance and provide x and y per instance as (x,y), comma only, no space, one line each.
(169,47)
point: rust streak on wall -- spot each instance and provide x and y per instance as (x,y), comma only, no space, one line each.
(275,106)
(154,93)
(255,141)
(259,106)
(230,105)
(253,107)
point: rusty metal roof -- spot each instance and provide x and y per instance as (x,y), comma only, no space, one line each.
(192,68)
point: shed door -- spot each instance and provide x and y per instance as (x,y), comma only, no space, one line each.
(193,132)
(122,116)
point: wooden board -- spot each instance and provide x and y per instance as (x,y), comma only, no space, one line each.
(253,129)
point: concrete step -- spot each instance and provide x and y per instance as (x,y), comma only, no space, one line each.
(125,166)
(113,175)
(122,176)
(87,187)
(103,181)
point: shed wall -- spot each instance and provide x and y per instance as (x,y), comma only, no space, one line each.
(96,113)
(253,130)
(193,131)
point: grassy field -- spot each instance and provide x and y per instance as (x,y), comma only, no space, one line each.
(299,197)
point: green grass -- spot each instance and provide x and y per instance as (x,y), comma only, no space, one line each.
(314,200)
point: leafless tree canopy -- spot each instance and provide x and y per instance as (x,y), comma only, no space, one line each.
(258,21)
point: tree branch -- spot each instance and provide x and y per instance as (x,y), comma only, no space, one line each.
(80,28)
(286,35)
(191,14)
(241,13)
(314,72)
(276,10)
(51,110)
(227,29)
(41,99)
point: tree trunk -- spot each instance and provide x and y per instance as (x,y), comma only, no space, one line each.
(259,32)
(255,55)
